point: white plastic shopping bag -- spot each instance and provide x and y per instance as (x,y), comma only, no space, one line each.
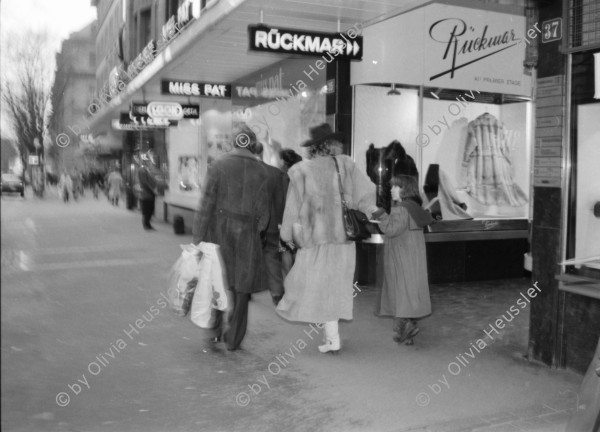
(183,279)
(211,291)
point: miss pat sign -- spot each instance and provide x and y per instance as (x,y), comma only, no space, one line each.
(287,41)
(191,88)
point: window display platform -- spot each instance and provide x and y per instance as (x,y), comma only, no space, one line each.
(454,256)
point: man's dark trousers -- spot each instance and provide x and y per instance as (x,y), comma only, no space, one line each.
(235,329)
(272,260)
(147,205)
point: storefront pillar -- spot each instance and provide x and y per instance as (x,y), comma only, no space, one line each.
(564,326)
(339,99)
(546,225)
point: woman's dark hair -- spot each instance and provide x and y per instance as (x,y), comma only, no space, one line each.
(289,157)
(410,188)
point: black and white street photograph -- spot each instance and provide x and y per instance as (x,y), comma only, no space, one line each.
(300,215)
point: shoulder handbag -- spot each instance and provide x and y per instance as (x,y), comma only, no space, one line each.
(355,221)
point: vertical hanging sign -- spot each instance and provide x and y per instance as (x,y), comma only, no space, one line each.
(597,75)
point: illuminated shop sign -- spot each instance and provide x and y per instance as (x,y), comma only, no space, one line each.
(246,92)
(340,45)
(165,110)
(129,121)
(191,88)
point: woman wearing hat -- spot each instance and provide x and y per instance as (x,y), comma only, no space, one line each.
(319,288)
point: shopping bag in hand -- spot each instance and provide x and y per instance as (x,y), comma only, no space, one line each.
(183,279)
(211,292)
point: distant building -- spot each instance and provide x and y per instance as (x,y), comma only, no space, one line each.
(72,92)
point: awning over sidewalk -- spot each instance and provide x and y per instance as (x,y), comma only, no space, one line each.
(214,48)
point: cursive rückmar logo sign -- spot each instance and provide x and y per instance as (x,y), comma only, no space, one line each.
(465,45)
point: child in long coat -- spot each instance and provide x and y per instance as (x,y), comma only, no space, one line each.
(405,291)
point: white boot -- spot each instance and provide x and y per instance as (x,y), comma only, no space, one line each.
(332,338)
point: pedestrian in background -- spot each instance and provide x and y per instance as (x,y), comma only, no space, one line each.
(319,287)
(148,187)
(97,183)
(234,213)
(115,185)
(405,291)
(76,185)
(65,186)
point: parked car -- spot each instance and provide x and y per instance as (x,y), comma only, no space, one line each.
(12,183)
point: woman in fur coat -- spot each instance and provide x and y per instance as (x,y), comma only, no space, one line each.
(319,288)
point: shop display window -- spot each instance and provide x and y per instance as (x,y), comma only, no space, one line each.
(582,230)
(584,241)
(381,117)
(193,144)
(471,150)
(478,148)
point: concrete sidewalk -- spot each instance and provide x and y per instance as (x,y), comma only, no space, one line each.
(440,384)
(77,276)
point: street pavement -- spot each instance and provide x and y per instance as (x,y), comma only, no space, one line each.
(89,344)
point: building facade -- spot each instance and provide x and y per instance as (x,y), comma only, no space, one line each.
(186,70)
(74,87)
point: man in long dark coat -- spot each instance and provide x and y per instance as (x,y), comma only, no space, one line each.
(234,213)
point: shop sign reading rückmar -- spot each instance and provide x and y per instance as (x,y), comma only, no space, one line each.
(449,47)
(465,44)
(289,41)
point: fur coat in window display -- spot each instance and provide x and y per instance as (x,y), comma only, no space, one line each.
(488,166)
